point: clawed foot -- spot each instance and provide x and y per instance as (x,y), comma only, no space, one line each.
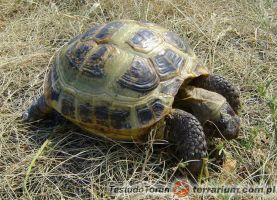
(186,135)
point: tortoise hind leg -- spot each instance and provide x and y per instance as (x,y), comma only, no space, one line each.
(218,84)
(38,110)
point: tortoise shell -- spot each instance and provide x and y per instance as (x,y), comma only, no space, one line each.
(119,79)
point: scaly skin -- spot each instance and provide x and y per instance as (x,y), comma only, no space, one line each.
(220,85)
(227,126)
(186,134)
(211,109)
(38,110)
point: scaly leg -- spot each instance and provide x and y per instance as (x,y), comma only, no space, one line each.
(186,134)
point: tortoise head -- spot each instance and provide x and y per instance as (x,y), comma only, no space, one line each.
(212,110)
(227,125)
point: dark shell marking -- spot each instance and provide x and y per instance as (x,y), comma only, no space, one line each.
(102,115)
(145,115)
(144,40)
(94,65)
(68,106)
(141,77)
(108,30)
(54,95)
(120,119)
(168,63)
(76,54)
(175,40)
(157,107)
(90,33)
(86,113)
(171,87)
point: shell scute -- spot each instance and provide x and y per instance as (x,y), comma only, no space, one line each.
(90,33)
(141,77)
(172,86)
(120,119)
(144,40)
(86,112)
(145,115)
(102,115)
(68,106)
(175,40)
(77,53)
(108,30)
(94,65)
(157,107)
(168,63)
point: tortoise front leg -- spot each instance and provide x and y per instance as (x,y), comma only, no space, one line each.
(186,135)
(38,110)
(218,84)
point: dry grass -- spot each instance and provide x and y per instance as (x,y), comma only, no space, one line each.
(234,38)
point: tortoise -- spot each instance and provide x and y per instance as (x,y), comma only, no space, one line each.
(122,79)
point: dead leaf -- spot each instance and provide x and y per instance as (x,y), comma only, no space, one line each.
(229,165)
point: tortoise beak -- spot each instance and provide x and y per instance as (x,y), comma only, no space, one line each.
(232,128)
